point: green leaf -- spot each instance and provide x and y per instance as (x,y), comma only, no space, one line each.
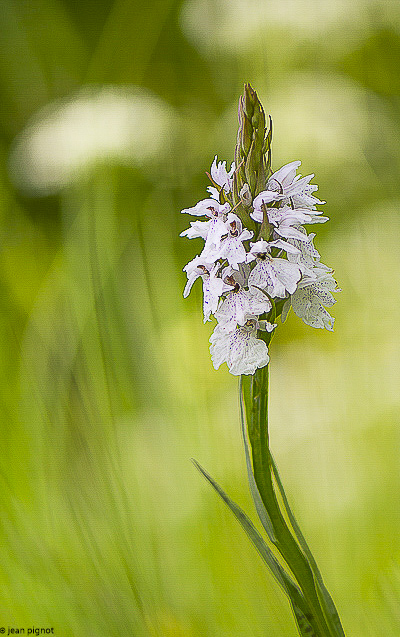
(287,584)
(267,147)
(281,576)
(323,592)
(303,624)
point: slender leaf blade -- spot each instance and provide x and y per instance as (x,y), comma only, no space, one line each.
(326,597)
(282,577)
(304,626)
(287,584)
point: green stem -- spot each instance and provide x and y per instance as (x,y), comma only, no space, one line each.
(255,395)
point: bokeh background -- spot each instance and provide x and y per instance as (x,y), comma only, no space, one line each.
(110,114)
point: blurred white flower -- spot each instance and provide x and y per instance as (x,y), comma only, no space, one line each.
(235,25)
(128,125)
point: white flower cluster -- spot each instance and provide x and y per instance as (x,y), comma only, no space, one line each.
(242,280)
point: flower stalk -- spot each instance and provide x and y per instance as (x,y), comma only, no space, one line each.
(320,613)
(247,286)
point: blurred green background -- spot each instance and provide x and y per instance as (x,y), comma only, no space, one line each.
(110,114)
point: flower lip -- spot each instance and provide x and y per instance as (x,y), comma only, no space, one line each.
(234,232)
(260,247)
(250,325)
(207,208)
(230,280)
(213,211)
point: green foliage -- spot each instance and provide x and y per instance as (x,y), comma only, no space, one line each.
(106,385)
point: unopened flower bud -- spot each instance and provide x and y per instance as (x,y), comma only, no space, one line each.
(245,195)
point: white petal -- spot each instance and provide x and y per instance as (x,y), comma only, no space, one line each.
(290,233)
(217,230)
(298,186)
(307,306)
(204,207)
(220,175)
(199,260)
(233,250)
(197,229)
(238,305)
(212,290)
(246,353)
(263,276)
(257,215)
(288,274)
(284,245)
(286,174)
(264,198)
(219,348)
(241,350)
(189,285)
(213,192)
